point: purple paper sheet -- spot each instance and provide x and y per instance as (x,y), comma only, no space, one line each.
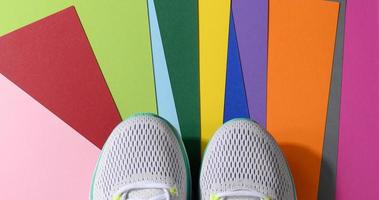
(358,151)
(251,21)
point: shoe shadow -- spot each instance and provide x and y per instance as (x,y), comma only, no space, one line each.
(193,151)
(305,169)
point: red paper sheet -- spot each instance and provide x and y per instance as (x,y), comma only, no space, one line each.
(53,62)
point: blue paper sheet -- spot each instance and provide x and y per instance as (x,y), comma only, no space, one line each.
(235,96)
(165,99)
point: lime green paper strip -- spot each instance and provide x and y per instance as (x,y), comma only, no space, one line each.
(119,35)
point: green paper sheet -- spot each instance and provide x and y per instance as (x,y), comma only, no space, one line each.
(178,23)
(119,35)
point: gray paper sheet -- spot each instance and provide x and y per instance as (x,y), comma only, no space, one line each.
(327,181)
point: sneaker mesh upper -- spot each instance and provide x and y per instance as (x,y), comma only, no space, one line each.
(242,155)
(140,149)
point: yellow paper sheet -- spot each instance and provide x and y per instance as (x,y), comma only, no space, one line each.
(301,45)
(213,39)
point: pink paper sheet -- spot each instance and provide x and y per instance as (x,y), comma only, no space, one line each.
(358,152)
(41,156)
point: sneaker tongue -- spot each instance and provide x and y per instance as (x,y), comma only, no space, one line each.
(144,193)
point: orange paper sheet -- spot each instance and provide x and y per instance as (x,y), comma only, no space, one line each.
(301,45)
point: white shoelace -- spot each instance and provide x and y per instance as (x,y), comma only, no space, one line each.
(168,191)
(239,194)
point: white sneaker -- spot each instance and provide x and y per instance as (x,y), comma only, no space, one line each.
(144,159)
(242,161)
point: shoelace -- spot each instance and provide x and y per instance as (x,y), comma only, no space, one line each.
(239,193)
(168,191)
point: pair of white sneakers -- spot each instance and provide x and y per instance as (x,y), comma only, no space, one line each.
(145,159)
